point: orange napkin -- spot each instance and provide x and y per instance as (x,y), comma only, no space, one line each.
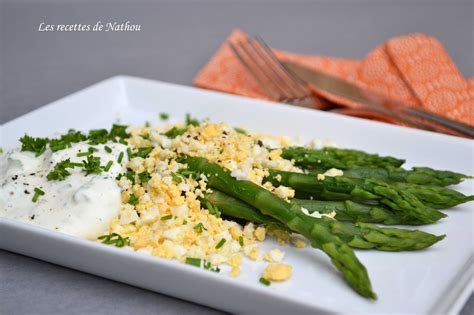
(415,69)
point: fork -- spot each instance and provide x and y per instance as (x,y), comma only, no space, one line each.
(283,86)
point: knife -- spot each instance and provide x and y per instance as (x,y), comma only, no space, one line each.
(373,101)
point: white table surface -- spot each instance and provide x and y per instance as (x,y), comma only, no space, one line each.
(176,40)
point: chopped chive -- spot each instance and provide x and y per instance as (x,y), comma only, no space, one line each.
(107,167)
(38,193)
(115,239)
(166,217)
(199,227)
(241,240)
(221,243)
(83,154)
(120,157)
(129,153)
(146,136)
(143,152)
(108,149)
(240,130)
(164,116)
(193,261)
(264,281)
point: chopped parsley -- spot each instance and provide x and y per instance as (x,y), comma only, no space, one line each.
(38,193)
(199,228)
(264,281)
(92,165)
(133,199)
(144,177)
(115,239)
(129,175)
(143,152)
(164,116)
(60,171)
(35,145)
(191,121)
(174,132)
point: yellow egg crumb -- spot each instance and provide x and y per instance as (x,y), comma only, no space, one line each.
(235,272)
(299,243)
(277,272)
(259,233)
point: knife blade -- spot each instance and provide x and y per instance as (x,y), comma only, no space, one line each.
(371,100)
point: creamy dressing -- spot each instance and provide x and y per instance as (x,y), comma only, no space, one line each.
(79,205)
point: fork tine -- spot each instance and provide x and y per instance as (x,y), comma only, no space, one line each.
(271,71)
(252,71)
(257,62)
(300,86)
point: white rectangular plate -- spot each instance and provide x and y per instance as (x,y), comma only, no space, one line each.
(438,279)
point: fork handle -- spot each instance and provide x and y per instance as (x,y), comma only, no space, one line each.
(446,122)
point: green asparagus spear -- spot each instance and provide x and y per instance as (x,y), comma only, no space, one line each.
(434,196)
(358,235)
(417,175)
(356,212)
(267,203)
(326,158)
(403,203)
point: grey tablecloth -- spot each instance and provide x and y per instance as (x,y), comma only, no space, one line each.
(176,39)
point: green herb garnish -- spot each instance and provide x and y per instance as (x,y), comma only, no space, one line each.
(164,116)
(208,266)
(133,199)
(199,227)
(120,157)
(193,261)
(92,165)
(241,241)
(166,217)
(264,281)
(144,177)
(146,136)
(38,193)
(35,145)
(108,166)
(143,152)
(98,136)
(191,121)
(212,209)
(177,178)
(108,149)
(174,132)
(118,132)
(115,239)
(240,130)
(221,243)
(60,171)
(129,175)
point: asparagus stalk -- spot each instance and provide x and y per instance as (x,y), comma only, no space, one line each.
(326,158)
(434,196)
(358,235)
(316,231)
(403,203)
(417,175)
(356,212)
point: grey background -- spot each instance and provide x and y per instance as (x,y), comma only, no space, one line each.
(176,40)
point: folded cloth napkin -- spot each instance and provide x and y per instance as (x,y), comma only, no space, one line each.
(415,69)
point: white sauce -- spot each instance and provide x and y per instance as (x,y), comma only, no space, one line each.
(80,205)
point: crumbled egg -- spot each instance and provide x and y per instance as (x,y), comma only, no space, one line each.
(169,221)
(277,272)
